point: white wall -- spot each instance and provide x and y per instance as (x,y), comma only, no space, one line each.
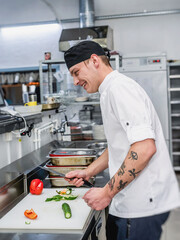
(131,35)
(13,146)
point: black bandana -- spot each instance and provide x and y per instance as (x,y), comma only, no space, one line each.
(81,52)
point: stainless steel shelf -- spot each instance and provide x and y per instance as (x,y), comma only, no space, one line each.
(176,168)
(85,103)
(175,127)
(176,140)
(175,114)
(176,153)
(174,76)
(174,89)
(175,102)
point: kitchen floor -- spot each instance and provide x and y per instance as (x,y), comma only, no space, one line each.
(171,229)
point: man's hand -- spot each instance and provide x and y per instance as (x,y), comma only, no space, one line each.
(97,198)
(78,175)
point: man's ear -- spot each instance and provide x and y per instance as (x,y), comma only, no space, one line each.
(95,60)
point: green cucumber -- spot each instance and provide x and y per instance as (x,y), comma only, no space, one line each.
(67,210)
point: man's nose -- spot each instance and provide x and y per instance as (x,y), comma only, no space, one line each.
(76,81)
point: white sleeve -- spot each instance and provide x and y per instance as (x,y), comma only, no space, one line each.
(132,108)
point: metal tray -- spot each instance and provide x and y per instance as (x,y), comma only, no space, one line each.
(61,182)
(63,169)
(50,106)
(77,160)
(69,152)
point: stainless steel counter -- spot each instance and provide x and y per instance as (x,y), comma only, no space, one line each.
(14,185)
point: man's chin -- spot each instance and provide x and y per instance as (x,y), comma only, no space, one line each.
(90,91)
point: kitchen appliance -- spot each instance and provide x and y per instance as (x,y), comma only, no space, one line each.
(100,34)
(150,71)
(87,31)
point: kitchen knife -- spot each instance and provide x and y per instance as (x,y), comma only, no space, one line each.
(86,183)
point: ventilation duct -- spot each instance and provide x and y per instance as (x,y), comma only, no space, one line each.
(86,13)
(87,31)
(101,34)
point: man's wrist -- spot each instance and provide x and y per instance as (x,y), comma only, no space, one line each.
(109,191)
(88,173)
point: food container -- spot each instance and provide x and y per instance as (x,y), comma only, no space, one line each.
(63,169)
(71,156)
(61,182)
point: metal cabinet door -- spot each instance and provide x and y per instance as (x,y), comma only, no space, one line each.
(155,85)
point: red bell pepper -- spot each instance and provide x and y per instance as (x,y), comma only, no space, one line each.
(30,214)
(36,186)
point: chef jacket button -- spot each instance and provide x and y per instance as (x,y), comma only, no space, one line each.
(150,199)
(127,124)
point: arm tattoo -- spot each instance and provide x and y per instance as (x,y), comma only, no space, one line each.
(111,183)
(121,170)
(121,185)
(133,173)
(133,156)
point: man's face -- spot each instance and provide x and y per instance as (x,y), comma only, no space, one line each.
(85,75)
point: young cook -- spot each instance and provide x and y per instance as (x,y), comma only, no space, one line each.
(143,187)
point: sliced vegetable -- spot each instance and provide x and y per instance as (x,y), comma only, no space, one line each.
(61,197)
(27,223)
(67,191)
(30,214)
(67,210)
(55,198)
(36,186)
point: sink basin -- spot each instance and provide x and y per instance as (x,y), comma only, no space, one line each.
(76,144)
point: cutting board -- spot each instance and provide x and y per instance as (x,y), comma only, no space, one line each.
(50,214)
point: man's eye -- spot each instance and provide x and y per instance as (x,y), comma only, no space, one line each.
(76,73)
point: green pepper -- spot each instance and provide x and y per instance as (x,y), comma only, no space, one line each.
(60,197)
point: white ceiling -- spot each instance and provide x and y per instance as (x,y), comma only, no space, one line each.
(24,11)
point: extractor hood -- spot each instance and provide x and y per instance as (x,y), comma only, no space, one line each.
(100,34)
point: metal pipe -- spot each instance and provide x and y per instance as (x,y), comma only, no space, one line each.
(98,18)
(127,15)
(86,13)
(138,14)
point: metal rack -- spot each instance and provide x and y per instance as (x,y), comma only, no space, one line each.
(174,102)
(56,81)
(48,83)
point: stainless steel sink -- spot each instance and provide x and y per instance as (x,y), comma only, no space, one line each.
(77,144)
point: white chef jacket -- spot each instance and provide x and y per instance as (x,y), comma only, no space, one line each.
(128,117)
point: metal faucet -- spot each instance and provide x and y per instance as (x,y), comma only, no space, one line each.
(61,129)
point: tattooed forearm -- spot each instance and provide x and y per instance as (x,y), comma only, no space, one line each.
(133,156)
(121,170)
(133,173)
(121,185)
(111,183)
